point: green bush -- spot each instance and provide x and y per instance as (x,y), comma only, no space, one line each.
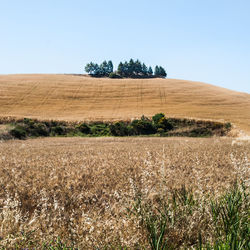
(164,124)
(228,125)
(19,132)
(39,129)
(215,125)
(156,118)
(100,129)
(114,75)
(200,132)
(159,124)
(118,129)
(160,121)
(28,121)
(130,130)
(58,130)
(83,128)
(143,127)
(160,131)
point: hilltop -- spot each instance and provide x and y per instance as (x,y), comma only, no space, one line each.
(76,97)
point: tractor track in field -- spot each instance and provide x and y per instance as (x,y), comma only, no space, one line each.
(164,95)
(45,99)
(21,99)
(117,107)
(93,103)
(68,102)
(141,96)
(137,99)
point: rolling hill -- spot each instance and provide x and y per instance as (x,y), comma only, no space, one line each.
(75,97)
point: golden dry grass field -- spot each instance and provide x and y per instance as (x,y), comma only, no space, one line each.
(80,188)
(72,97)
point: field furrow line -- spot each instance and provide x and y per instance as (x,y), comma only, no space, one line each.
(165,98)
(69,101)
(141,95)
(115,111)
(18,102)
(44,100)
(90,111)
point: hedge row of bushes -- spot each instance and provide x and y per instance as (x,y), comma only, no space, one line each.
(158,125)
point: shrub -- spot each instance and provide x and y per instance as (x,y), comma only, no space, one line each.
(100,129)
(200,132)
(130,130)
(118,129)
(54,123)
(18,132)
(160,121)
(39,129)
(164,124)
(143,127)
(114,75)
(156,118)
(58,130)
(28,121)
(160,131)
(228,125)
(84,128)
(215,125)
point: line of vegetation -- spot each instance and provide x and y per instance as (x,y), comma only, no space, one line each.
(218,223)
(131,69)
(159,125)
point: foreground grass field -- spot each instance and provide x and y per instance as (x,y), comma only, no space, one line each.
(96,192)
(78,98)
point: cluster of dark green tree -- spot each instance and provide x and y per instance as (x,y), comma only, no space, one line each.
(104,69)
(131,69)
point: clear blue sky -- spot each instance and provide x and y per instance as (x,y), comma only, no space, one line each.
(201,40)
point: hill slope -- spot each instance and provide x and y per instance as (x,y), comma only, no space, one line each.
(71,97)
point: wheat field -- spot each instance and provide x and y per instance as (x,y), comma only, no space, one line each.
(72,97)
(80,188)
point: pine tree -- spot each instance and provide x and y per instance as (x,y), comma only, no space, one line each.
(120,69)
(126,69)
(137,67)
(104,69)
(162,72)
(110,67)
(97,70)
(150,71)
(157,71)
(89,68)
(131,67)
(144,70)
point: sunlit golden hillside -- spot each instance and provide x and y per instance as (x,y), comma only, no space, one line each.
(73,97)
